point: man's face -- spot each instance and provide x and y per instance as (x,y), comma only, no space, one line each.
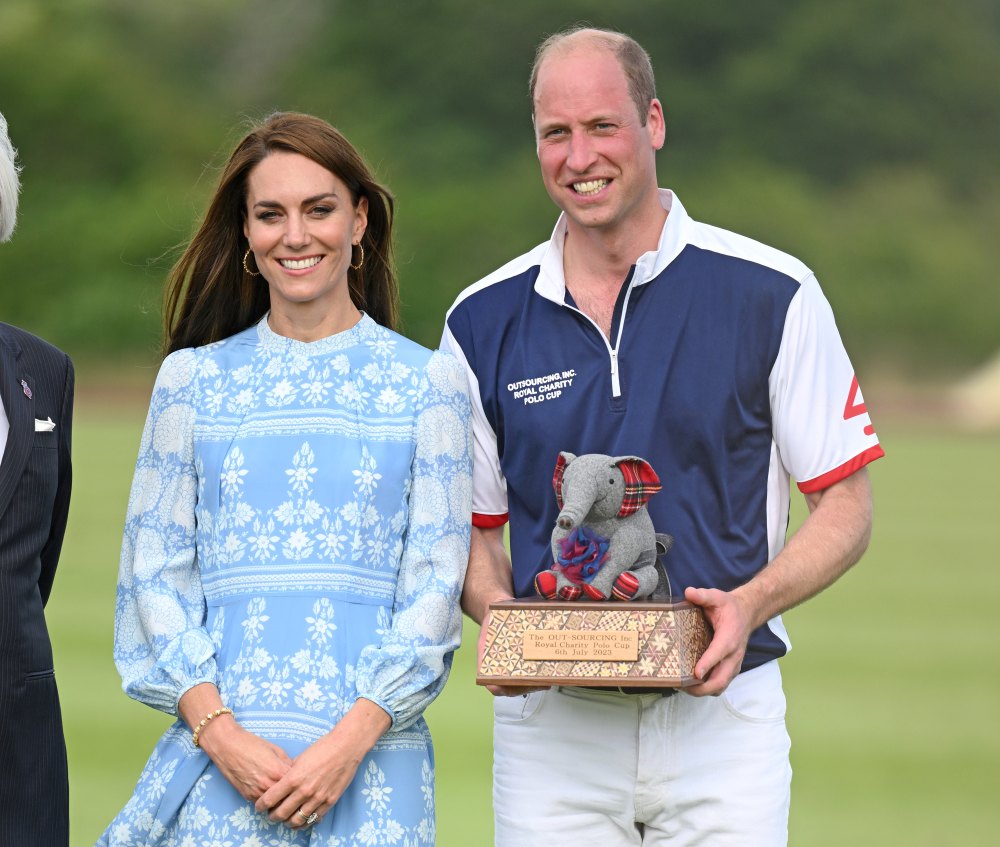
(597,159)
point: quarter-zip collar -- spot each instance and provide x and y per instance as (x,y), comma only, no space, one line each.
(551,282)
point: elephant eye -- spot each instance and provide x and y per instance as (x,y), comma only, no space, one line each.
(612,480)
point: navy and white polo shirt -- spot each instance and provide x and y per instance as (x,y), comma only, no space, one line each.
(725,371)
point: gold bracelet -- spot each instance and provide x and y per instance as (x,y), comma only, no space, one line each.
(225,710)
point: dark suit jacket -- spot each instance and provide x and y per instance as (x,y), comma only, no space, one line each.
(35,481)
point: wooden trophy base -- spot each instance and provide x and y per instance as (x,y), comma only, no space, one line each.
(638,644)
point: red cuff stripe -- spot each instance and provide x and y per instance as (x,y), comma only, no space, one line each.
(488,521)
(844,471)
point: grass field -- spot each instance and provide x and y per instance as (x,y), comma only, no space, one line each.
(893,686)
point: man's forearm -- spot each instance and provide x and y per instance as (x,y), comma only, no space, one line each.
(489,575)
(829,542)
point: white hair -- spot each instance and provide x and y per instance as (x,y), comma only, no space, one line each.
(9,185)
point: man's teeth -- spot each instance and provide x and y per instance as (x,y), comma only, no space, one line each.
(300,264)
(589,188)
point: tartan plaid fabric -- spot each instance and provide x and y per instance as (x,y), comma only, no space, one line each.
(641,482)
(625,586)
(545,585)
(570,592)
(557,478)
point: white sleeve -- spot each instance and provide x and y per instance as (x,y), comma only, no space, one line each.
(162,648)
(489,488)
(408,667)
(820,422)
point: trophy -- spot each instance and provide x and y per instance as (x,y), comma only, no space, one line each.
(604,616)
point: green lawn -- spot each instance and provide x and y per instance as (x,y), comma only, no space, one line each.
(893,686)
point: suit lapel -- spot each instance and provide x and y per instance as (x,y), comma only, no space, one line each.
(20,411)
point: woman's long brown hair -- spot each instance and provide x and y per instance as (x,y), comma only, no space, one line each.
(209,296)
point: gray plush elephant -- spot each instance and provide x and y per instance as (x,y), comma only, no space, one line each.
(604,544)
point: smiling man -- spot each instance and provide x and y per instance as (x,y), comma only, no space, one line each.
(636,330)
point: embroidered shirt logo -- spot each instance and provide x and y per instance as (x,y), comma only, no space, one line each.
(538,389)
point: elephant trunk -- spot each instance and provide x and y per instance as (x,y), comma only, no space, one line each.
(577,505)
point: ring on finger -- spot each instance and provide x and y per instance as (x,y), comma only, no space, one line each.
(308,819)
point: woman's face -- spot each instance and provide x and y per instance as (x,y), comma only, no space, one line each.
(302,224)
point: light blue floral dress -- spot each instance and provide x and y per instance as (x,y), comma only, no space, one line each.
(297,533)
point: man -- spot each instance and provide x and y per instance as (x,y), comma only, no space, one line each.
(36,408)
(717,359)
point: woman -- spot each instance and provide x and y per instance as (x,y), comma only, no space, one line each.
(298,526)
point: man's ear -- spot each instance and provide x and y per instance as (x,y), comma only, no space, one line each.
(656,124)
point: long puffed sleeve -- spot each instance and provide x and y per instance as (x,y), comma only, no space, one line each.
(408,668)
(161,646)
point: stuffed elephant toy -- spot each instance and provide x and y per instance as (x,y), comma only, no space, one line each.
(603,543)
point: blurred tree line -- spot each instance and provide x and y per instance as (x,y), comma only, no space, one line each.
(861,136)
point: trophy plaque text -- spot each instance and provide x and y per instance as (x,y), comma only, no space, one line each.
(639,644)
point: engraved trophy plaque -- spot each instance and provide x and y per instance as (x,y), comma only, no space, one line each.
(604,617)
(638,644)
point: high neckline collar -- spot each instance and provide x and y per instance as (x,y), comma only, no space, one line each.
(270,340)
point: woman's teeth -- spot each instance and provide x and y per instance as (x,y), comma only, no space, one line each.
(300,264)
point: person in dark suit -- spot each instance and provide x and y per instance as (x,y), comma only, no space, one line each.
(36,408)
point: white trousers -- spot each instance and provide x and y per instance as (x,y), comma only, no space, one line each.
(586,767)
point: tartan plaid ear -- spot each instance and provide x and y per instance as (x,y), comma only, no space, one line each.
(641,482)
(557,478)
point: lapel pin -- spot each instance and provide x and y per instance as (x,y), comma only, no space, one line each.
(27,388)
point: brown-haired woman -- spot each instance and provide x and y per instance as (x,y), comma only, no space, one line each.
(297,532)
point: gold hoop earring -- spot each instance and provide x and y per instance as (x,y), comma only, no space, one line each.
(246,267)
(361,261)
